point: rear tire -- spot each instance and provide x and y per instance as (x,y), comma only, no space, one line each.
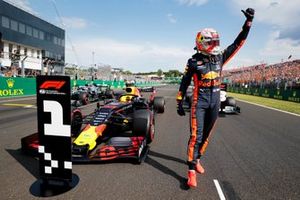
(84,98)
(159,104)
(231,101)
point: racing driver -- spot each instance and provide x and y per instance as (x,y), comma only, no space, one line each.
(205,68)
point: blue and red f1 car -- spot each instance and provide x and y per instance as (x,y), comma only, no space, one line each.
(120,128)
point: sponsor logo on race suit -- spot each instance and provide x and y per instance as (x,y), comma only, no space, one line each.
(210,75)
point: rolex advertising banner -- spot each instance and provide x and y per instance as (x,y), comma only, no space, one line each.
(281,94)
(54,119)
(15,86)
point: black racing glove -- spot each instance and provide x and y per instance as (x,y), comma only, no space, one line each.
(180,110)
(249,13)
(179,99)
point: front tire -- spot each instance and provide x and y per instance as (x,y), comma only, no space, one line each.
(142,124)
(76,124)
(159,104)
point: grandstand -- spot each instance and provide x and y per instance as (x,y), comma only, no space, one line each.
(283,75)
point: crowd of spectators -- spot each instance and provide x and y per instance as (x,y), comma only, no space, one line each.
(14,71)
(284,75)
(9,71)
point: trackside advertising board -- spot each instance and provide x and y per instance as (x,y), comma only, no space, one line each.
(281,94)
(14,87)
(54,119)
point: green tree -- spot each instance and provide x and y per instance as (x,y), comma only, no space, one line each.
(127,72)
(173,73)
(159,73)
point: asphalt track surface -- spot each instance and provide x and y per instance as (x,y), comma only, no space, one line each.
(253,155)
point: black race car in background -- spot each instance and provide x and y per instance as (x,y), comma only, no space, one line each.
(81,95)
(91,93)
(105,92)
(147,89)
(120,128)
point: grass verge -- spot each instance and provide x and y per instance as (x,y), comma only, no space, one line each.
(288,106)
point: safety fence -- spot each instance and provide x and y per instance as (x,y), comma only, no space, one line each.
(16,86)
(287,95)
(172,80)
(113,84)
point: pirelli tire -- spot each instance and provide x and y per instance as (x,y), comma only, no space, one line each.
(76,123)
(142,124)
(230,101)
(84,98)
(159,104)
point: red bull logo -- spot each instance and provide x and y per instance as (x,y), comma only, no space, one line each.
(210,75)
(209,83)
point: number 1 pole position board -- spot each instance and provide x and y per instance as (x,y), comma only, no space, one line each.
(54,119)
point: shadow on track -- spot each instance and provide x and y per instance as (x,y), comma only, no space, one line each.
(29,163)
(32,165)
(39,188)
(166,157)
(165,169)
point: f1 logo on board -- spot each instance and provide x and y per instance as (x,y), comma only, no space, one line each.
(52,87)
(52,84)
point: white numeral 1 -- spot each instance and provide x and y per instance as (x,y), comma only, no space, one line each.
(56,128)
